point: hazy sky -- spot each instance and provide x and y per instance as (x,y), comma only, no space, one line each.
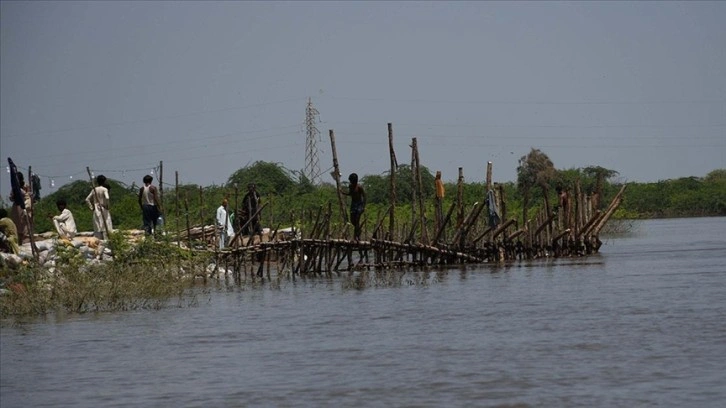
(208,88)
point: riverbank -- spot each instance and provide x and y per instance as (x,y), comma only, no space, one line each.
(85,275)
(89,246)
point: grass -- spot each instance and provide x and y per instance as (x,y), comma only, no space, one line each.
(147,275)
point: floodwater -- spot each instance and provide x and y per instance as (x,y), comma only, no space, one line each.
(641,324)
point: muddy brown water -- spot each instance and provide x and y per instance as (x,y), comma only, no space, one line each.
(641,324)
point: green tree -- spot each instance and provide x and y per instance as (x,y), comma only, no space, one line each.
(269,177)
(716,176)
(535,170)
(600,174)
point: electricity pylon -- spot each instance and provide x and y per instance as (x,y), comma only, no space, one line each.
(312,167)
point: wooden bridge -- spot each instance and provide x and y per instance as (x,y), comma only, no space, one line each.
(324,247)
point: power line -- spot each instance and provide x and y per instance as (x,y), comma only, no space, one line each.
(558,126)
(153,119)
(535,102)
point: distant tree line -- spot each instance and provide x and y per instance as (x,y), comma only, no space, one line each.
(292,197)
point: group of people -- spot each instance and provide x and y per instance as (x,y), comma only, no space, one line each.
(98,201)
(15,227)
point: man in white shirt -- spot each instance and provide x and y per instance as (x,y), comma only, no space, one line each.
(64,223)
(224,225)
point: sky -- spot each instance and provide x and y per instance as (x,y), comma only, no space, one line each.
(208,87)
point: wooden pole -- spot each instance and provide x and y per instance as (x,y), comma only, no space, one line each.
(419,187)
(577,208)
(609,212)
(502,228)
(336,176)
(236,204)
(457,240)
(201,215)
(29,217)
(460,198)
(394,165)
(178,215)
(590,223)
(249,221)
(489,186)
(186,215)
(442,227)
(438,198)
(502,203)
(413,187)
(161,183)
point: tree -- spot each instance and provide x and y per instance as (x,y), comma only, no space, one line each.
(535,169)
(269,177)
(377,186)
(715,176)
(600,174)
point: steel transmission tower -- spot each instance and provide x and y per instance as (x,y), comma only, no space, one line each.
(312,167)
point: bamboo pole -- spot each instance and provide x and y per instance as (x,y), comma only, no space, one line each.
(413,185)
(489,185)
(460,198)
(186,215)
(201,215)
(482,235)
(590,224)
(473,220)
(502,228)
(614,204)
(178,215)
(30,217)
(336,176)
(502,203)
(259,210)
(461,231)
(161,183)
(419,187)
(394,165)
(544,224)
(442,227)
(576,225)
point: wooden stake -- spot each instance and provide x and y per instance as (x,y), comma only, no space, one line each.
(394,165)
(460,198)
(336,176)
(419,187)
(176,192)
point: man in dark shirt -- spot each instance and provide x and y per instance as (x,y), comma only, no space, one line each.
(357,203)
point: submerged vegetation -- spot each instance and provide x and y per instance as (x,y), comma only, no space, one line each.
(140,277)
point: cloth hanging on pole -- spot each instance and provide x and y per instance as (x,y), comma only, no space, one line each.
(494,219)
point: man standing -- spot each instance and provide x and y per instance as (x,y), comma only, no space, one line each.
(250,206)
(357,203)
(224,225)
(150,204)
